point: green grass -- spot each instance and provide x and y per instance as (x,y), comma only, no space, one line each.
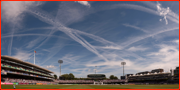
(91,86)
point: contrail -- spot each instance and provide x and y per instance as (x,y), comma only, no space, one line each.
(67,31)
(74,33)
(150,35)
(171,16)
(52,31)
(136,28)
(154,5)
(18,35)
(53,52)
(96,38)
(46,39)
(10,46)
(82,41)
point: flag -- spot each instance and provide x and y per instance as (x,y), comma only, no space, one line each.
(34,51)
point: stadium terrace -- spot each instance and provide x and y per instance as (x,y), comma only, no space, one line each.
(15,71)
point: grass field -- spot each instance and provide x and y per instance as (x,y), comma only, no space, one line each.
(91,86)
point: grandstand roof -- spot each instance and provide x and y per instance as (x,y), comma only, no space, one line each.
(96,74)
(145,72)
(152,74)
(23,62)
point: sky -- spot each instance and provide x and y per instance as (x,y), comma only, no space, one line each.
(85,34)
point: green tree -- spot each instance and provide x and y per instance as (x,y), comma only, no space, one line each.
(115,77)
(71,76)
(55,76)
(65,76)
(111,77)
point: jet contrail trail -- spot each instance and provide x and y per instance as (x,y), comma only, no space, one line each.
(68,32)
(74,34)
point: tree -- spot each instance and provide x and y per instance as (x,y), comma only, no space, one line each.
(111,77)
(65,76)
(71,76)
(61,78)
(115,77)
(55,76)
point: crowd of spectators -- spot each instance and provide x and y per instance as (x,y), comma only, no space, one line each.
(112,81)
(86,81)
(26,74)
(149,82)
(55,82)
(22,68)
(12,80)
(74,81)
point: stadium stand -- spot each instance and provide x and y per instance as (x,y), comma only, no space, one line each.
(156,76)
(109,81)
(176,74)
(15,70)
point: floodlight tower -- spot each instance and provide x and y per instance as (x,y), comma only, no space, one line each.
(123,63)
(60,62)
(95,69)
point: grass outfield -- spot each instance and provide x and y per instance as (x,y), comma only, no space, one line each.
(91,86)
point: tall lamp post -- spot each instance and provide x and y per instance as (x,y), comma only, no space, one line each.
(60,62)
(123,63)
(95,69)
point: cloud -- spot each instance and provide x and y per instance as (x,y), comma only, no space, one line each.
(84,3)
(171,16)
(154,5)
(112,67)
(68,31)
(12,10)
(176,41)
(12,13)
(54,50)
(134,49)
(89,70)
(50,66)
(77,35)
(165,50)
(34,42)
(111,63)
(167,57)
(44,39)
(23,55)
(163,12)
(70,58)
(72,33)
(139,38)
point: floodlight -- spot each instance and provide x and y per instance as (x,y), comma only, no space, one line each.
(123,63)
(60,62)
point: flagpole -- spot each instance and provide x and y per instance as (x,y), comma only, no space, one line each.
(34,57)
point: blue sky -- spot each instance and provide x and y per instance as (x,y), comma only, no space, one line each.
(85,34)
